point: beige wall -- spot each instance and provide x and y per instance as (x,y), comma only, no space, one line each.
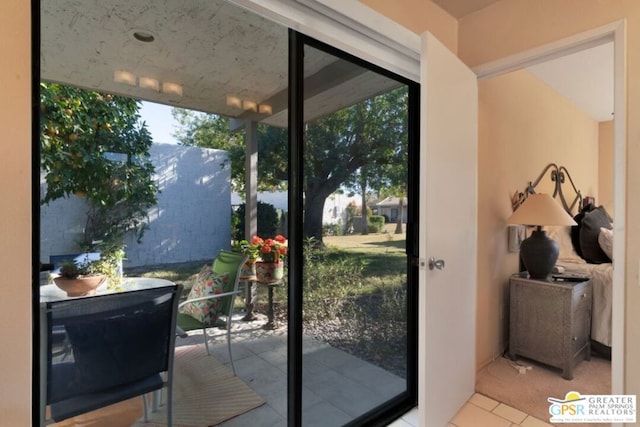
(605,166)
(508,27)
(15,217)
(420,16)
(524,125)
(512,26)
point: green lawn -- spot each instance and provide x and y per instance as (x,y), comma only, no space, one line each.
(382,256)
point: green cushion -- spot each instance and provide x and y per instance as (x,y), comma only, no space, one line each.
(188,323)
(228,262)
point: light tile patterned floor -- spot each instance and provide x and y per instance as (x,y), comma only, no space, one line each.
(481,411)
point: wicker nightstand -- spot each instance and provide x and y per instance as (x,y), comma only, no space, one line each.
(550,322)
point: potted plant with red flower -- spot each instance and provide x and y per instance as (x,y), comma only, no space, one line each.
(271,253)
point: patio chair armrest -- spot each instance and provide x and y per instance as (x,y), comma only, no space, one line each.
(224,294)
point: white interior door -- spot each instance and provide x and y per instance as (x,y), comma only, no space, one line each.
(448,211)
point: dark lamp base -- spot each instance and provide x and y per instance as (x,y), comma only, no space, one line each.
(539,254)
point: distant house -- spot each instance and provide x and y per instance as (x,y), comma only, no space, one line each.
(390,209)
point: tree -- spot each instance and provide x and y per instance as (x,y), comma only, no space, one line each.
(93,145)
(212,131)
(367,136)
(375,153)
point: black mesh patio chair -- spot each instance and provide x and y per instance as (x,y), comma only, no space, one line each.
(121,346)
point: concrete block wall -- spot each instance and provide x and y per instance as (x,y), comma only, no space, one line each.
(191,222)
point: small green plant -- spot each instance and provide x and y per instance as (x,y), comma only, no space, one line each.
(74,270)
(246,248)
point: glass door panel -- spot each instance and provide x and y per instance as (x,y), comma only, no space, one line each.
(358,314)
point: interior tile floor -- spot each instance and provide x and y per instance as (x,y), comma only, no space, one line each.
(337,386)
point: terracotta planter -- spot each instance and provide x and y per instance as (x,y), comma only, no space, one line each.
(81,286)
(267,272)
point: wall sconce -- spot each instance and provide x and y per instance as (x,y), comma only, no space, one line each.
(121,76)
(265,109)
(173,88)
(149,83)
(234,101)
(144,82)
(250,106)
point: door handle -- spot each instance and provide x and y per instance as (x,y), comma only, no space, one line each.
(436,263)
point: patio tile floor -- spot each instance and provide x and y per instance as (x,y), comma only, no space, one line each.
(336,385)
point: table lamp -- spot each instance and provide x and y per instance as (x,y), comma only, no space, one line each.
(539,253)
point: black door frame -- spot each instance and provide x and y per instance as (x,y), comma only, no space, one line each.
(394,408)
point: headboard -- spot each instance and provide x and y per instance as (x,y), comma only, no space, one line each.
(560,176)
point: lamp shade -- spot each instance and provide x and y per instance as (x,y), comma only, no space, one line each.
(538,252)
(540,209)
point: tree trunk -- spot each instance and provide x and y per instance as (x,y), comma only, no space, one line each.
(313,209)
(400,215)
(363,191)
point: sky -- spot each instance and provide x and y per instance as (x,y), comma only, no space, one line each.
(159,122)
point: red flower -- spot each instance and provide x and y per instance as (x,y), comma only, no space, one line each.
(269,250)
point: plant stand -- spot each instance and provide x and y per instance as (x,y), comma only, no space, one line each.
(250,297)
(271,322)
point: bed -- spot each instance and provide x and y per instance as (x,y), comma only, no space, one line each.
(584,249)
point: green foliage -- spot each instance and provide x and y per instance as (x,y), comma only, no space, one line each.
(332,229)
(368,138)
(328,281)
(354,147)
(213,131)
(268,221)
(72,269)
(93,145)
(376,223)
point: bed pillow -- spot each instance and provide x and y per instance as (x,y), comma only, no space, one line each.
(562,236)
(208,282)
(575,230)
(591,224)
(605,240)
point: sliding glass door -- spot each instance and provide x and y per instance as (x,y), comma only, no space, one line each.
(334,341)
(353,144)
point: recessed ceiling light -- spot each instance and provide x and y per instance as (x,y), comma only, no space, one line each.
(143,36)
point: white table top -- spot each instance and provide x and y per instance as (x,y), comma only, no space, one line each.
(53,293)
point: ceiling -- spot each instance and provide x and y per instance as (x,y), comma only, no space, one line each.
(585,77)
(212,56)
(206,55)
(460,8)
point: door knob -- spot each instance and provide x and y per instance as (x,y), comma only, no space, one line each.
(436,263)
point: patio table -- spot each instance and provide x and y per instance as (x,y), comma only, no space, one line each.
(53,293)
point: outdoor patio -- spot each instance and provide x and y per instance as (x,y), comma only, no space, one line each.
(337,385)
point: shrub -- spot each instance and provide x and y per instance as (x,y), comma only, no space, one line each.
(328,282)
(268,221)
(332,229)
(376,223)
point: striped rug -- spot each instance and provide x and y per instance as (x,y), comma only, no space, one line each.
(205,394)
